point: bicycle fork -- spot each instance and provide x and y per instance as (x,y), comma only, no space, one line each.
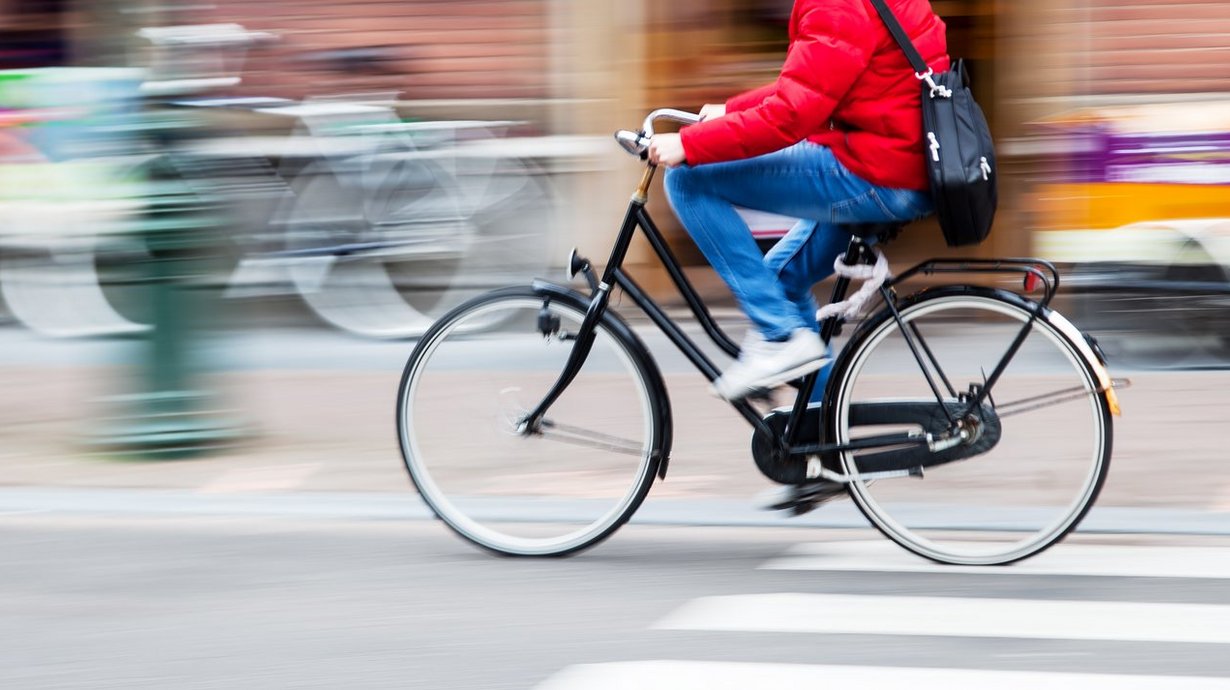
(600,299)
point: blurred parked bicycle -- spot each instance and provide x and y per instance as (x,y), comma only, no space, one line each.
(378,224)
(381,225)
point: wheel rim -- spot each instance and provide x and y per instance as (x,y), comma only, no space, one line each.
(536,495)
(1027,491)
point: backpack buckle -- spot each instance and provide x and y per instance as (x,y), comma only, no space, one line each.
(943,91)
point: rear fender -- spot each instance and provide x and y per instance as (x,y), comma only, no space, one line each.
(1054,318)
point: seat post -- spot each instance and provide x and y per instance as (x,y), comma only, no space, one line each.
(854,251)
(854,254)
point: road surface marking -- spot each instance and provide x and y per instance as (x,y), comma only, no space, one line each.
(950,616)
(721,675)
(1065,559)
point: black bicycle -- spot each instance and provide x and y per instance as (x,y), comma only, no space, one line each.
(969,424)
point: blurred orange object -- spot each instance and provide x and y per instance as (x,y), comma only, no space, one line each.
(1104,205)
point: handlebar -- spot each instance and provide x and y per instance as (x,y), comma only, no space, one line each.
(636,143)
(667,114)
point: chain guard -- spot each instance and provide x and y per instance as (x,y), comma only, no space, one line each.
(928,417)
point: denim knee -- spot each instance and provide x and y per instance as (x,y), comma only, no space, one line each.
(679,182)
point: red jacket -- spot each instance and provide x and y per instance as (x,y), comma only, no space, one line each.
(845,84)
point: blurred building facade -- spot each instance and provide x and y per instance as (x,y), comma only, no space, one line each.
(591,66)
(1131,100)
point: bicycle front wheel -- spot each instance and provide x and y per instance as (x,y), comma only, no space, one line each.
(1035,454)
(550,491)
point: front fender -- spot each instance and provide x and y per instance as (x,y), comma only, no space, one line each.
(638,350)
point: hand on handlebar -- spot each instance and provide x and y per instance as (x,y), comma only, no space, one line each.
(712,111)
(666,149)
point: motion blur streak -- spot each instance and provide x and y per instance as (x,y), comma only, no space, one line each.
(224,223)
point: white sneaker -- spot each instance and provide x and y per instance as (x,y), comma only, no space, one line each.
(752,339)
(764,364)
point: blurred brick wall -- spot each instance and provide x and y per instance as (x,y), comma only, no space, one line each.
(426,49)
(1138,47)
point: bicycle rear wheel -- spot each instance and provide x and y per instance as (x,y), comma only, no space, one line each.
(551,491)
(1038,448)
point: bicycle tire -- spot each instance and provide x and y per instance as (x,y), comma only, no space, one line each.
(1023,490)
(389,242)
(337,224)
(463,395)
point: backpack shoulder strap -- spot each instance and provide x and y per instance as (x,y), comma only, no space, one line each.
(899,35)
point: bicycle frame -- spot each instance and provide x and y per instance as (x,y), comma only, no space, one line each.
(637,217)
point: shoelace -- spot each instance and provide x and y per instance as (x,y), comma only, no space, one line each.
(873,277)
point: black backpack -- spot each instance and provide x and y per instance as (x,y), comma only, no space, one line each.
(957,145)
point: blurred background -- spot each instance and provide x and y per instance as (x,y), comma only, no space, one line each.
(224,224)
(398,134)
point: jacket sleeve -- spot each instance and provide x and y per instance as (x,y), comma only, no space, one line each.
(831,46)
(750,98)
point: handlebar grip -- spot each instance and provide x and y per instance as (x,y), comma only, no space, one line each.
(632,142)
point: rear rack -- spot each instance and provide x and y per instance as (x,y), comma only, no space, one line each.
(1038,269)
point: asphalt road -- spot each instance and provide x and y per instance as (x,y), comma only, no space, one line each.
(120,586)
(218,601)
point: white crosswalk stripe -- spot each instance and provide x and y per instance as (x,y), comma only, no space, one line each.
(1070,559)
(719,675)
(954,617)
(809,613)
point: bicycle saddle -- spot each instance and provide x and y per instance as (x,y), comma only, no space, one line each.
(881,232)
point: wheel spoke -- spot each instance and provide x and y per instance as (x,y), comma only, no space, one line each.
(1038,402)
(552,489)
(1026,480)
(588,437)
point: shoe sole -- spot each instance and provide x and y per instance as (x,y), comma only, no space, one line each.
(776,380)
(810,501)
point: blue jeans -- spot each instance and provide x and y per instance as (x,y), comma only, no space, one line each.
(802,181)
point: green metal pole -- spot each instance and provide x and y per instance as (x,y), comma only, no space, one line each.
(170,414)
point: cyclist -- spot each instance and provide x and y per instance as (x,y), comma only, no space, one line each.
(837,138)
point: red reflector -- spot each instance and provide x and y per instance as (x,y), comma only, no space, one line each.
(1032,281)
